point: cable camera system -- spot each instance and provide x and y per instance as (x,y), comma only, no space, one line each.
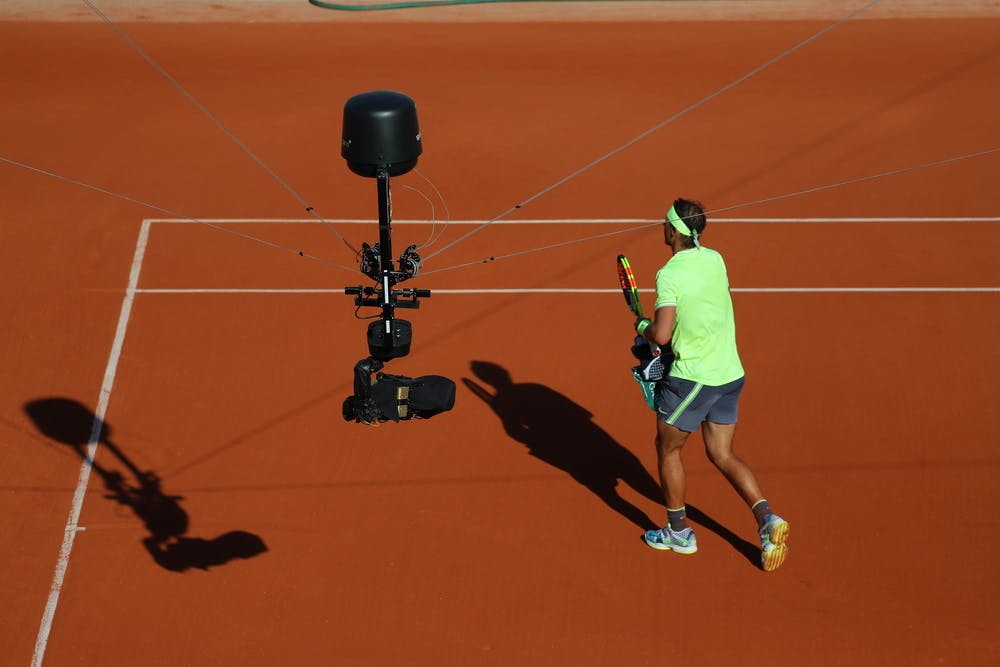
(381,139)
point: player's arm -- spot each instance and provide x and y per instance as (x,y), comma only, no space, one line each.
(661,328)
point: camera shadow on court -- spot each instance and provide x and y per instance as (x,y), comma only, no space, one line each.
(69,422)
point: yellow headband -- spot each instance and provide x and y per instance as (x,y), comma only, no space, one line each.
(678,223)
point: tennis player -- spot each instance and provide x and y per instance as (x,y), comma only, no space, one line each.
(694,315)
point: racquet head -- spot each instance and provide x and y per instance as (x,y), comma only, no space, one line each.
(630,289)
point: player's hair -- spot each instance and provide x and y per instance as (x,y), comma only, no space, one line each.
(694,217)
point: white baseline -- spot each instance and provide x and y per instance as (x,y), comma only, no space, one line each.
(568,290)
(553,221)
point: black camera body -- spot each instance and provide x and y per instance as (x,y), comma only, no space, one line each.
(395,397)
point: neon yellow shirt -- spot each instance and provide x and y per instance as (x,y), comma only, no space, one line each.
(704,337)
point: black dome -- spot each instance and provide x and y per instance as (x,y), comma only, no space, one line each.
(380,130)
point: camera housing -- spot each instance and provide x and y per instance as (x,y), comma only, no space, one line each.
(395,397)
(380,131)
(389,339)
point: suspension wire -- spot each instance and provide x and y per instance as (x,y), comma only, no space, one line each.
(215,121)
(444,205)
(433,212)
(174,214)
(657,127)
(862,179)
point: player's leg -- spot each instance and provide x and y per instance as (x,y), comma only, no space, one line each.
(718,431)
(677,535)
(719,447)
(681,407)
(773,530)
(670,442)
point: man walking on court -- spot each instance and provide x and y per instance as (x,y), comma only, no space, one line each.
(694,315)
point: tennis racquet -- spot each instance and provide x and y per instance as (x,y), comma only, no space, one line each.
(630,289)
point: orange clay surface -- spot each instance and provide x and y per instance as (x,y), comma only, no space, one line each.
(506,532)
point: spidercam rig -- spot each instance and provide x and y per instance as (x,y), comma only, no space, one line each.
(381,139)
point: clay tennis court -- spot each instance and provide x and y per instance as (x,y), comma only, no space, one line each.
(507,531)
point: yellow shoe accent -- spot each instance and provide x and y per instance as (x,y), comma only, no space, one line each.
(780,533)
(774,557)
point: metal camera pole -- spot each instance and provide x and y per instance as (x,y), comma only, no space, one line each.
(382,139)
(385,246)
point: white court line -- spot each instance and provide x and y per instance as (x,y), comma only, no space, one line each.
(553,221)
(577,221)
(573,290)
(72,522)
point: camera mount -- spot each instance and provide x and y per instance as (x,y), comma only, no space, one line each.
(381,139)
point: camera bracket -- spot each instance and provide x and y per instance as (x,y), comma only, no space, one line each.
(390,337)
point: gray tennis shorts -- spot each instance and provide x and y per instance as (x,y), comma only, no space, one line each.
(686,404)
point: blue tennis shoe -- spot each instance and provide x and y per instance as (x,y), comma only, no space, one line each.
(665,539)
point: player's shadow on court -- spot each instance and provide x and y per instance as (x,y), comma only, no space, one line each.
(67,421)
(562,433)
